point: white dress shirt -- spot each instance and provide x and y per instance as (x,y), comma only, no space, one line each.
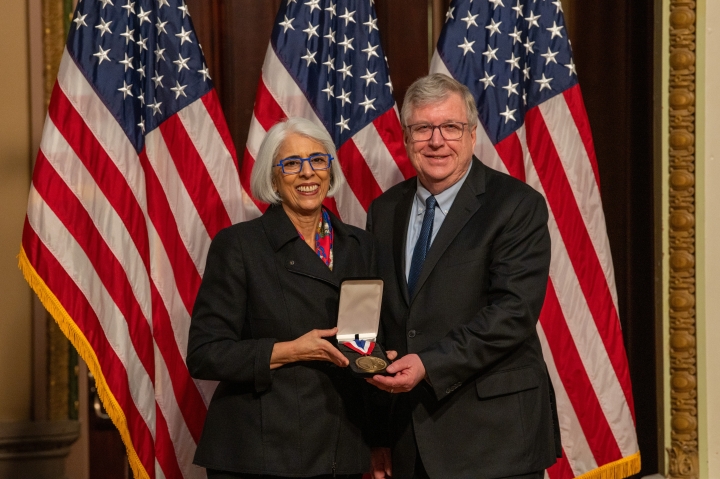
(444,199)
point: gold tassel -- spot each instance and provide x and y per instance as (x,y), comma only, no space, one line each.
(625,467)
(80,342)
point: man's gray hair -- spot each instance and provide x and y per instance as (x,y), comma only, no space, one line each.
(261,177)
(434,88)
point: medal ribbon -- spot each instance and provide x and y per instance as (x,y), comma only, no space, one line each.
(361,346)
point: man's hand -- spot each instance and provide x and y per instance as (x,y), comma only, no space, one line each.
(408,372)
(381,463)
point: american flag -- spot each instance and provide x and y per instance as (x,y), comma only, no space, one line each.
(136,173)
(325,63)
(515,57)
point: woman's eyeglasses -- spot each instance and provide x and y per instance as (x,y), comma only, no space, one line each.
(293,164)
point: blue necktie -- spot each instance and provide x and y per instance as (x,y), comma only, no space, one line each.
(423,243)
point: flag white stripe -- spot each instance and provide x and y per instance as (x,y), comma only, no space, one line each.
(190,226)
(292,101)
(256,134)
(104,127)
(577,450)
(572,301)
(183,442)
(484,148)
(283,88)
(63,246)
(583,329)
(251,209)
(581,177)
(162,274)
(159,474)
(106,220)
(349,207)
(215,155)
(378,157)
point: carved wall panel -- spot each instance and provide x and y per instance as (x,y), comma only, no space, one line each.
(683,450)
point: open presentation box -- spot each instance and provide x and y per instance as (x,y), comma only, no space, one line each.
(358,324)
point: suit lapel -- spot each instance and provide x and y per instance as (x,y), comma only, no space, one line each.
(301,259)
(466,204)
(297,256)
(400,228)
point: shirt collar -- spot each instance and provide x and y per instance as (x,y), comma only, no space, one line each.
(444,199)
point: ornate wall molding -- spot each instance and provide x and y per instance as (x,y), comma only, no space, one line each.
(683,450)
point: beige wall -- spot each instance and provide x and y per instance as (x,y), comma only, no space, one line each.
(15,300)
(708,234)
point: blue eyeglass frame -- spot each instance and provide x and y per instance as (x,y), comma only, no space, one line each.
(281,163)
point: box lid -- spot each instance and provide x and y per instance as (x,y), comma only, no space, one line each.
(359,310)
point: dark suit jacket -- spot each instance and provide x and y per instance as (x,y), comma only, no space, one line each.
(263,284)
(485,411)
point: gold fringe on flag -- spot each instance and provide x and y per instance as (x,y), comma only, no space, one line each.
(80,342)
(625,467)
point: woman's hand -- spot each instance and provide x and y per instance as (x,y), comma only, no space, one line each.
(381,463)
(309,347)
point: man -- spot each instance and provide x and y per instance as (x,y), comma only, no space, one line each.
(463,292)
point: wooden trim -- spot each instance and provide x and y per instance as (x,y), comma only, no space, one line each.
(57,353)
(683,450)
(53,13)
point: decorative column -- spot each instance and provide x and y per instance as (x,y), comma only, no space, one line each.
(683,452)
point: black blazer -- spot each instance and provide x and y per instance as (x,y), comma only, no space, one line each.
(485,411)
(263,284)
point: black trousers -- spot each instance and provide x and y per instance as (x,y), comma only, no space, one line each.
(212,474)
(421,473)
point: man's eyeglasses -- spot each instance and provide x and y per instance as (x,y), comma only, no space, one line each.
(293,164)
(452,130)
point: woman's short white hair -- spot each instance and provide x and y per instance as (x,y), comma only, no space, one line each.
(261,177)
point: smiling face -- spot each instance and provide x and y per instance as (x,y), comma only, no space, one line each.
(440,163)
(303,193)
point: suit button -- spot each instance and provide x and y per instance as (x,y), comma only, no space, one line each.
(411,333)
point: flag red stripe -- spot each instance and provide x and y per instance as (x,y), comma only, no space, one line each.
(578,244)
(389,129)
(103,170)
(267,110)
(185,274)
(573,98)
(511,154)
(214,108)
(77,306)
(561,469)
(576,382)
(358,174)
(194,175)
(164,447)
(331,205)
(85,144)
(245,170)
(52,188)
(187,395)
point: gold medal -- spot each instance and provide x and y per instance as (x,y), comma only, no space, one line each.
(370,364)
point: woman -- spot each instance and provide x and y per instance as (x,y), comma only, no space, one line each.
(286,406)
